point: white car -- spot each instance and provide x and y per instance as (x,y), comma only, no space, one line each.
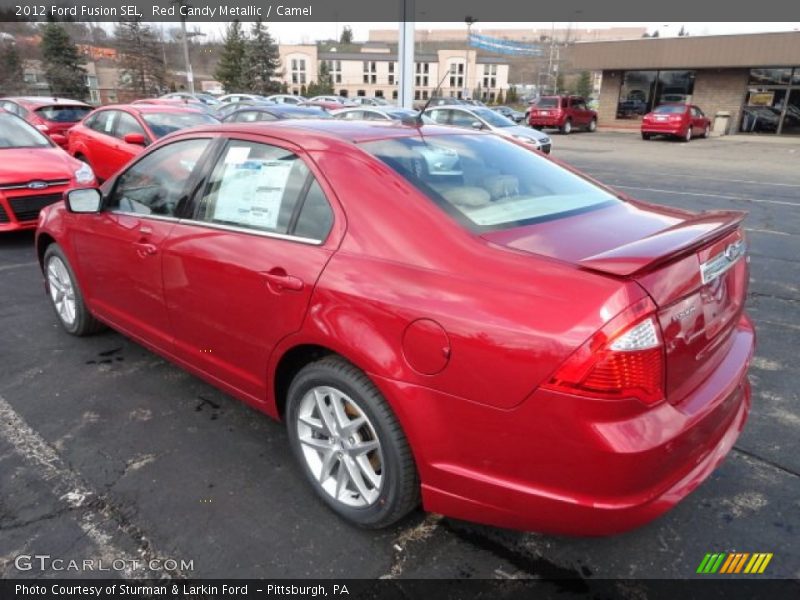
(378,113)
(478,117)
(241,98)
(364,101)
(286,99)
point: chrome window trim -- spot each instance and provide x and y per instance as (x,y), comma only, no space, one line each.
(268,234)
(143,215)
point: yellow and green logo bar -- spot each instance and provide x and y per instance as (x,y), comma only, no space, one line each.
(735,563)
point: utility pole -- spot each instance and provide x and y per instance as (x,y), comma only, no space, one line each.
(470,21)
(185,44)
(405,54)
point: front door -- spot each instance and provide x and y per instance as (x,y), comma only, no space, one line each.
(239,276)
(119,249)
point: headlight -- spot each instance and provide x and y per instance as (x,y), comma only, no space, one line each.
(84,174)
(527,140)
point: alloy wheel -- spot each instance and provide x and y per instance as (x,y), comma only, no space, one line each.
(340,446)
(62,290)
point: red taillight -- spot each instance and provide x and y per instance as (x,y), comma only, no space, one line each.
(625,359)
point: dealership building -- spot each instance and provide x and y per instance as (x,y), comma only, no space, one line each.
(744,83)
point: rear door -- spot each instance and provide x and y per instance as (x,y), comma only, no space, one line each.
(121,152)
(119,250)
(239,275)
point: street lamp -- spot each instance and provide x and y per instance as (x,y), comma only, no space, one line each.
(470,21)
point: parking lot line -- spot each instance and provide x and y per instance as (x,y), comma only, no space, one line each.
(724,197)
(727,179)
(96,520)
(17,266)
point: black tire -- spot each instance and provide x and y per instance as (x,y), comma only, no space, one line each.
(566,128)
(646,136)
(399,490)
(706,132)
(687,137)
(84,322)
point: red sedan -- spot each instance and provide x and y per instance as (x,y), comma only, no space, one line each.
(52,116)
(682,121)
(35,172)
(438,315)
(109,137)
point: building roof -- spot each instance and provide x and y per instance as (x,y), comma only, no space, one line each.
(373,56)
(747,50)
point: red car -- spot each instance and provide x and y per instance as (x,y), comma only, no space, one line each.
(683,121)
(52,116)
(437,315)
(110,136)
(329,102)
(35,172)
(562,112)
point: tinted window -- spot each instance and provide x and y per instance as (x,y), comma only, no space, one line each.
(316,217)
(670,109)
(156,184)
(127,124)
(547,103)
(63,114)
(16,133)
(486,182)
(163,123)
(255,186)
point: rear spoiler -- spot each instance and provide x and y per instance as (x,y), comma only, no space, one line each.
(664,246)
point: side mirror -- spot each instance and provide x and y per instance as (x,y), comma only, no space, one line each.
(477,125)
(86,200)
(134,138)
(59,139)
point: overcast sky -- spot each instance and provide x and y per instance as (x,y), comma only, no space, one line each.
(295,33)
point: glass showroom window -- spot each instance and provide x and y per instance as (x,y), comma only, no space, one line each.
(642,91)
(772,104)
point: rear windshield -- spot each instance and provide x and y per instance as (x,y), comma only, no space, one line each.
(163,123)
(547,103)
(487,183)
(670,109)
(16,133)
(64,113)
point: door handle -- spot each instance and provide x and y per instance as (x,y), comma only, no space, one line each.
(143,249)
(279,280)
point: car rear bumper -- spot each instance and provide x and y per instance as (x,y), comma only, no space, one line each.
(663,129)
(538,122)
(569,465)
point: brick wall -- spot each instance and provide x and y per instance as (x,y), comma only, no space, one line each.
(714,90)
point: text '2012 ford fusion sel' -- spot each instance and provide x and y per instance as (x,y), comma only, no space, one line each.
(440,316)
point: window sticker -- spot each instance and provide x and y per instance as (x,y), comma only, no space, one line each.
(251,191)
(237,154)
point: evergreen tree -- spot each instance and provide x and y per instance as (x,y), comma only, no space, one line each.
(63,64)
(511,96)
(11,75)
(347,35)
(499,99)
(263,60)
(584,85)
(655,34)
(325,84)
(232,70)
(142,67)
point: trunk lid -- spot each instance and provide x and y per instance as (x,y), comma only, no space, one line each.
(692,265)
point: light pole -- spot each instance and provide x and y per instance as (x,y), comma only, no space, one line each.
(470,21)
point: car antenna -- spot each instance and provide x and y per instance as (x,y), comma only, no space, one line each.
(417,121)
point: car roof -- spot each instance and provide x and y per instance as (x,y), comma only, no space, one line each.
(38,101)
(280,109)
(305,132)
(152,108)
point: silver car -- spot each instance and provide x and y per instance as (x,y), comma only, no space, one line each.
(478,117)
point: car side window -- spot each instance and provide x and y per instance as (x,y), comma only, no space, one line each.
(463,119)
(440,116)
(696,112)
(578,105)
(127,124)
(246,116)
(316,217)
(156,184)
(254,186)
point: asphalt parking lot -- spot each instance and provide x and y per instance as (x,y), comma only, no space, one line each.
(108,451)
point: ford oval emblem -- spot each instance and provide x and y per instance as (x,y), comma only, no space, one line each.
(37,185)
